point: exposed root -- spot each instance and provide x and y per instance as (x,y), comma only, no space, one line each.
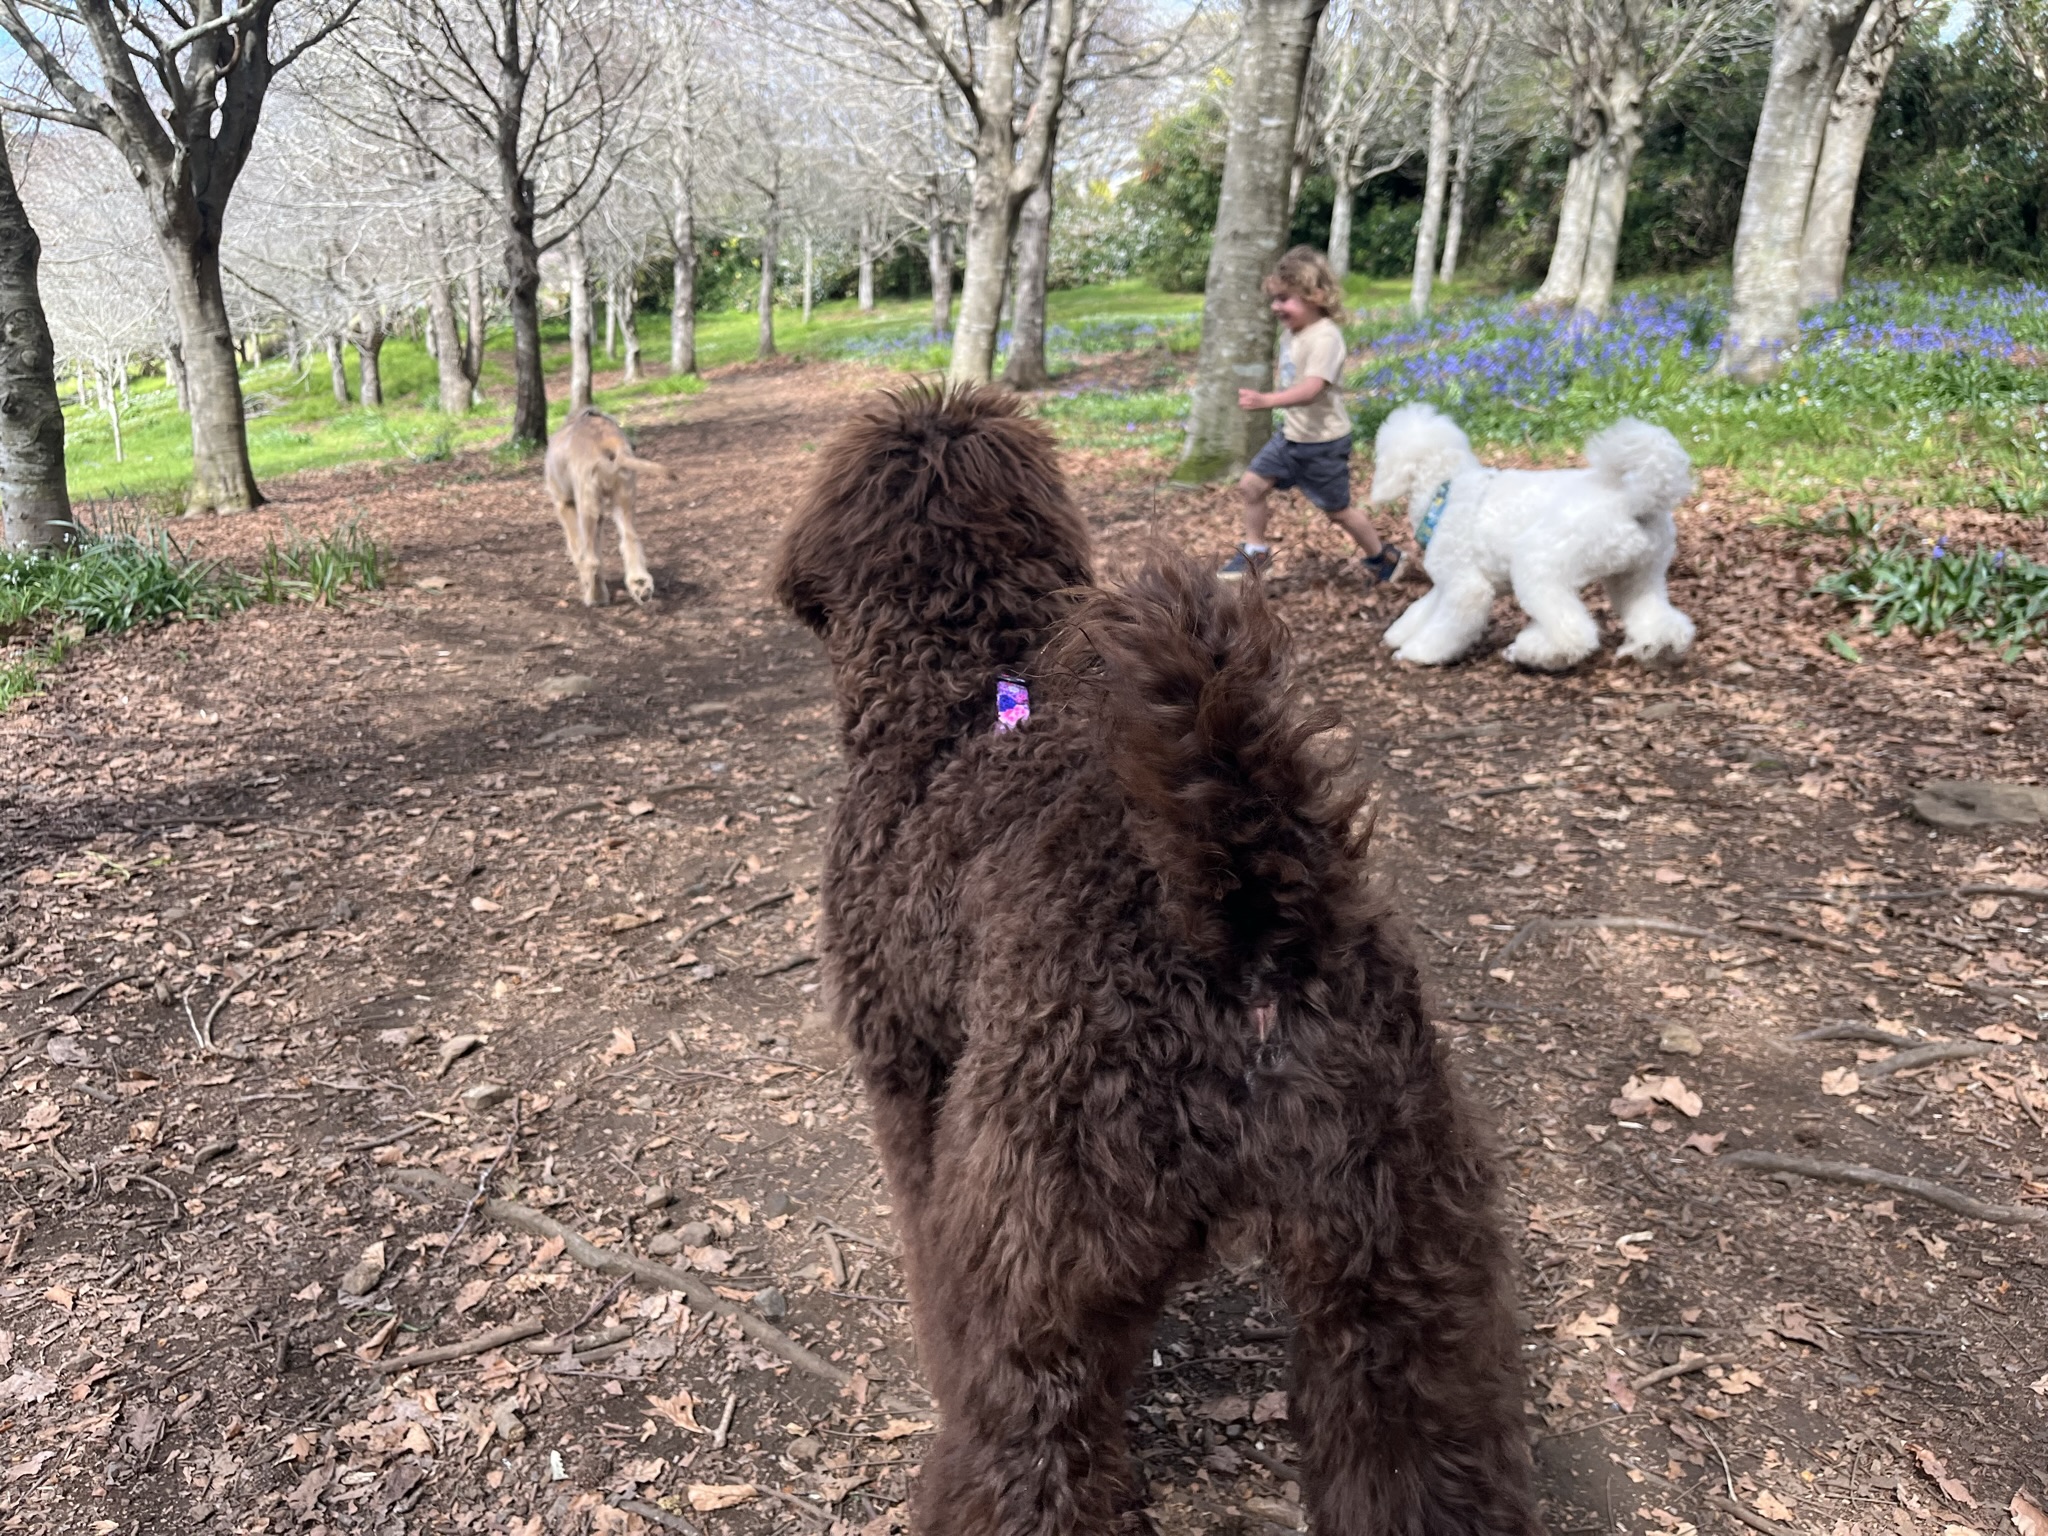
(1904,1183)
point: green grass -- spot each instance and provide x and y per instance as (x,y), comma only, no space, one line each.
(1996,597)
(114,581)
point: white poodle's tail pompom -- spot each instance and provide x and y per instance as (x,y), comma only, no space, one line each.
(1644,462)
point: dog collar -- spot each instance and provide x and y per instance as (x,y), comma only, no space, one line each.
(1426,529)
(1013,703)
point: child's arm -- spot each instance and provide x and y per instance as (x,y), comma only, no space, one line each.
(1280,399)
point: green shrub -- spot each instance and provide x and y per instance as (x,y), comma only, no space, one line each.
(1174,198)
(1990,595)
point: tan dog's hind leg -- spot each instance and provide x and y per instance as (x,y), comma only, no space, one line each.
(572,527)
(589,518)
(639,584)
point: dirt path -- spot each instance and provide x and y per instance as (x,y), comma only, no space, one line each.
(468,878)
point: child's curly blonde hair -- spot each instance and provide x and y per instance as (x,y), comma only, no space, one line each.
(1305,273)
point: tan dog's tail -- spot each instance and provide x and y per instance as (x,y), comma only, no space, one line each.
(1243,821)
(644,466)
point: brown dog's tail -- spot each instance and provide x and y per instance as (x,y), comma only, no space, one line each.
(1241,818)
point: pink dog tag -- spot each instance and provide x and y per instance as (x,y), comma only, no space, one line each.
(1013,703)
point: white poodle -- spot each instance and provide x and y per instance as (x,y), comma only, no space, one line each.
(1543,533)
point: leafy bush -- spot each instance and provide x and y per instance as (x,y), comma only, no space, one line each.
(1991,595)
(1174,198)
(1096,237)
(321,570)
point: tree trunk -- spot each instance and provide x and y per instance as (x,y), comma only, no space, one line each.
(110,397)
(35,503)
(479,324)
(1621,139)
(1434,177)
(292,349)
(682,316)
(810,272)
(629,336)
(1006,172)
(1344,197)
(938,263)
(337,369)
(1807,56)
(611,317)
(1574,227)
(222,479)
(1026,367)
(1831,207)
(764,344)
(1454,219)
(1251,229)
(174,369)
(579,321)
(449,356)
(370,359)
(867,263)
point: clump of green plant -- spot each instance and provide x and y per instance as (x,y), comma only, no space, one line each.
(320,570)
(1990,595)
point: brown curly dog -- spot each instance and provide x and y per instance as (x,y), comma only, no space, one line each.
(1115,979)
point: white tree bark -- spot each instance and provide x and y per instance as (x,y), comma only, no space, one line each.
(337,368)
(579,320)
(1808,53)
(1025,367)
(1831,206)
(1622,110)
(938,261)
(1454,219)
(1574,227)
(1343,195)
(1007,168)
(450,356)
(810,273)
(867,262)
(35,501)
(629,333)
(1251,229)
(764,304)
(1433,183)
(370,356)
(682,323)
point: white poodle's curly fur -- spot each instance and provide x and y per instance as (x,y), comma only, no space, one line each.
(1544,534)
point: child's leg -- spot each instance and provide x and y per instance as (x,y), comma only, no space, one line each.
(1253,490)
(1352,520)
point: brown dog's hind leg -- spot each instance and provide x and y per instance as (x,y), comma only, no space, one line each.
(1406,1396)
(1043,1270)
(639,584)
(584,550)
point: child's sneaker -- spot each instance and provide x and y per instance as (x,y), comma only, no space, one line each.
(1386,565)
(1245,562)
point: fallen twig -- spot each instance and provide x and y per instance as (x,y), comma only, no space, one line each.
(608,1261)
(1802,935)
(483,1343)
(858,1237)
(386,1140)
(76,1005)
(2026,892)
(1904,1183)
(1544,926)
(792,963)
(1685,1367)
(1850,1029)
(1498,789)
(724,1422)
(1922,1056)
(710,923)
(654,1514)
(16,953)
(1728,1507)
(803,1507)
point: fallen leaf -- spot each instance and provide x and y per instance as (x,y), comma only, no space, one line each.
(680,1410)
(903,1429)
(1269,1407)
(1740,1380)
(1666,875)
(1588,1325)
(1619,1389)
(41,1115)
(639,807)
(1936,1469)
(1701,1142)
(622,1044)
(705,1497)
(483,904)
(1226,1410)
(1997,1034)
(1840,1082)
(433,583)
(453,1049)
(58,1296)
(472,1294)
(365,1273)
(1771,1507)
(1662,1090)
(2027,1516)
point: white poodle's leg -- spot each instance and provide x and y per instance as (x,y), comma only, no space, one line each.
(1412,618)
(1463,601)
(1560,632)
(1653,630)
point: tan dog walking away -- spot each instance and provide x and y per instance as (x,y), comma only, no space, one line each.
(591,467)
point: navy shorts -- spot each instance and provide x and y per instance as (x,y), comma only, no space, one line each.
(1321,470)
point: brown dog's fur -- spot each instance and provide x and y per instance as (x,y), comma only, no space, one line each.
(592,469)
(1114,979)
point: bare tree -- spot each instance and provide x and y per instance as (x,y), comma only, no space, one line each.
(183,121)
(522,100)
(1449,46)
(1809,51)
(1251,227)
(35,502)
(1616,58)
(1831,206)
(1364,93)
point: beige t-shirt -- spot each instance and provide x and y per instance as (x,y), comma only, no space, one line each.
(1316,350)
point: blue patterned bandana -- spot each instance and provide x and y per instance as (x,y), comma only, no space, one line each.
(1426,529)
